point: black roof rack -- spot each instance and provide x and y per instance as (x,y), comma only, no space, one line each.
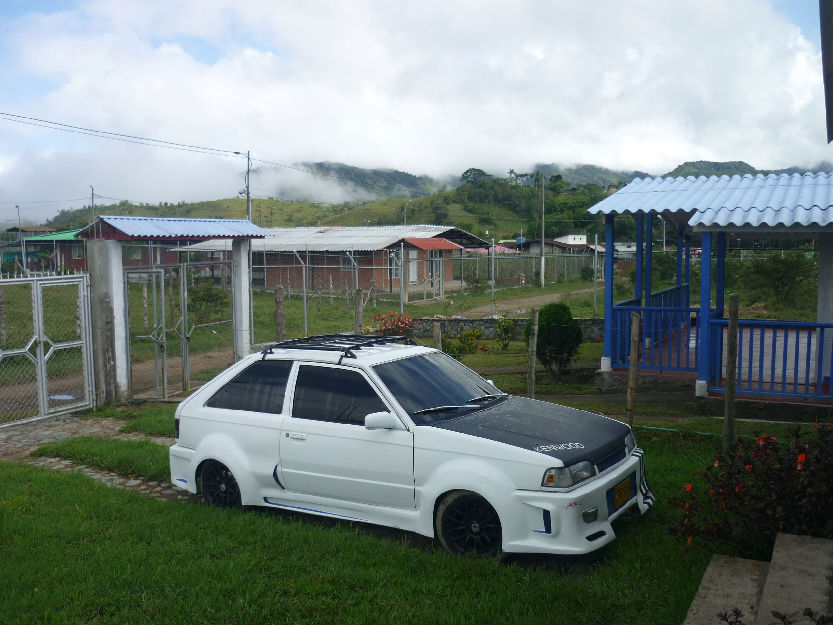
(344,343)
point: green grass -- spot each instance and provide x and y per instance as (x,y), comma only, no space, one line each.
(75,550)
(152,419)
(129,458)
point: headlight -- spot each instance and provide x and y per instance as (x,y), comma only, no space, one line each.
(565,477)
(630,443)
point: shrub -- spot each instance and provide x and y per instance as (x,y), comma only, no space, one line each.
(393,323)
(504,328)
(761,488)
(467,342)
(559,337)
(206,302)
(587,273)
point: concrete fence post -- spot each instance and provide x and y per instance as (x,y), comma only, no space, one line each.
(280,320)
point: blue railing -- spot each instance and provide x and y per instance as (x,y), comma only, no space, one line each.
(778,358)
(667,337)
(673,297)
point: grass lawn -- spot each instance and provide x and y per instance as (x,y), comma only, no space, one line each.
(75,550)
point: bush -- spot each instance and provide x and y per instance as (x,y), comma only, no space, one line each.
(587,273)
(207,303)
(393,324)
(467,342)
(504,328)
(763,487)
(559,337)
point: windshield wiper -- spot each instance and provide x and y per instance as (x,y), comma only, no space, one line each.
(486,397)
(444,408)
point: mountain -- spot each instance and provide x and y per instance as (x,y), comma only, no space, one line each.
(379,182)
(575,175)
(739,168)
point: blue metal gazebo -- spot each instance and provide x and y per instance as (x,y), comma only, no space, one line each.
(776,358)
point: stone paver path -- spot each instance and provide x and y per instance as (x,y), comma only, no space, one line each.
(17,441)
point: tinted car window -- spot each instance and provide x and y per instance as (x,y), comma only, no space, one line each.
(258,388)
(336,395)
(433,380)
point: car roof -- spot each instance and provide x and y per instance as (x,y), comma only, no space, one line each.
(355,350)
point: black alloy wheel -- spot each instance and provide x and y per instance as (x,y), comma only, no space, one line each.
(219,488)
(467,524)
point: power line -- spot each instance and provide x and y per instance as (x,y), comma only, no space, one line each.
(114,136)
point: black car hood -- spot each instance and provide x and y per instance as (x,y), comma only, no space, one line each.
(565,433)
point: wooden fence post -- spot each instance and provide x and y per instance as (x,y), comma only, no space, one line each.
(438,335)
(357,316)
(731,374)
(280,321)
(632,361)
(533,347)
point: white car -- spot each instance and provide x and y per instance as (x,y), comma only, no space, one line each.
(365,428)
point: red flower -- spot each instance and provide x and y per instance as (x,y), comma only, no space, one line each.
(748,468)
(717,463)
(802,457)
(688,487)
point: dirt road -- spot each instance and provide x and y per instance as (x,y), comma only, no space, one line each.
(523,304)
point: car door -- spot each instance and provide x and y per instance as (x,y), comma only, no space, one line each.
(325,450)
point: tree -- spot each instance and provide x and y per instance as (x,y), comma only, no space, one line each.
(474,176)
(559,337)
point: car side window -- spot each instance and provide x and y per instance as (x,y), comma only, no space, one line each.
(335,395)
(260,387)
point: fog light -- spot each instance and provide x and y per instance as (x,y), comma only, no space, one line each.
(590,515)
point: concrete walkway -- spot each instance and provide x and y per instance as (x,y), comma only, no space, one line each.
(799,576)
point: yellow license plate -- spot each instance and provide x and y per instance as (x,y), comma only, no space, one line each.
(622,493)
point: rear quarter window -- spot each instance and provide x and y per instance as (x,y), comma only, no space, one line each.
(260,387)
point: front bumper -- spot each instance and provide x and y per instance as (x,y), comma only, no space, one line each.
(564,523)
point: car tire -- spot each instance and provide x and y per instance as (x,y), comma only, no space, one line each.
(465,523)
(219,488)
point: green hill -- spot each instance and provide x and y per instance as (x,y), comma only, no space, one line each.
(737,168)
(485,205)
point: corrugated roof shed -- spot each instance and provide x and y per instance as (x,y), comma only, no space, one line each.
(773,201)
(155,228)
(343,238)
(432,244)
(62,235)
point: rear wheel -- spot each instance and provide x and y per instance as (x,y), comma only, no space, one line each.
(467,523)
(219,488)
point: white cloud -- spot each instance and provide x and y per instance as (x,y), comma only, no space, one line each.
(424,87)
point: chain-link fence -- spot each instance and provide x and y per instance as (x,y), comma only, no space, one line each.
(45,347)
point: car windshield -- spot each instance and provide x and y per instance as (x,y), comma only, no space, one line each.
(434,387)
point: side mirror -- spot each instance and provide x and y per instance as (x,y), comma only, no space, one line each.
(382,421)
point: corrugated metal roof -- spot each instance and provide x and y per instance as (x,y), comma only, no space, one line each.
(802,200)
(433,244)
(178,227)
(63,235)
(333,238)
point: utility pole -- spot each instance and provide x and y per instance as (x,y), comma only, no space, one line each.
(18,215)
(248,174)
(92,204)
(542,231)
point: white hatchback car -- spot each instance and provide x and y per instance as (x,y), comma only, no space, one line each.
(365,428)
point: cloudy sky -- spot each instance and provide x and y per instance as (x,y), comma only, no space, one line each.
(428,87)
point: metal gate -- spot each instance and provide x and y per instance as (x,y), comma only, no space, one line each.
(167,334)
(45,347)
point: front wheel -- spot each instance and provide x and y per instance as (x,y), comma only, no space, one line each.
(468,524)
(219,488)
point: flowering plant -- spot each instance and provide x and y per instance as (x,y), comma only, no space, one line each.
(764,486)
(394,323)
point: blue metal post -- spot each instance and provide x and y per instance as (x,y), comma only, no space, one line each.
(649,240)
(607,353)
(704,353)
(720,271)
(640,233)
(679,257)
